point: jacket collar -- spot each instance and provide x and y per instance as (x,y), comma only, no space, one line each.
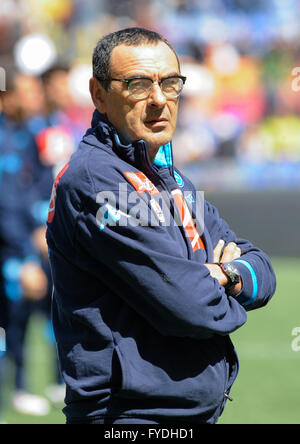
(135,153)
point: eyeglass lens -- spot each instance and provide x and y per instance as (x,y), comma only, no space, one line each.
(140,88)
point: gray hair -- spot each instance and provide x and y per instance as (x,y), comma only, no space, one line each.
(128,36)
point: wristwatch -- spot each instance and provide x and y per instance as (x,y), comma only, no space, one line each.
(232,273)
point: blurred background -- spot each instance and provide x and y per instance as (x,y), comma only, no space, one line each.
(238,139)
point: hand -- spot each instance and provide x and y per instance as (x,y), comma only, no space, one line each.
(231,252)
(33,281)
(39,241)
(217,273)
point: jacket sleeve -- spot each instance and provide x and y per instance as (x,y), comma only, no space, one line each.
(175,295)
(259,281)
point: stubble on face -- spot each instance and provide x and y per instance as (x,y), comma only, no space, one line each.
(152,119)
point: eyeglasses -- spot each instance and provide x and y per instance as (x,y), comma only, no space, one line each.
(140,87)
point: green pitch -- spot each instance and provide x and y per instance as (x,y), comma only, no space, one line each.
(267,389)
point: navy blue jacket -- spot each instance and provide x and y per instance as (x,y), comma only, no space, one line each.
(142,328)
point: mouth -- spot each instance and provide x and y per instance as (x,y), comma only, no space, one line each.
(157,122)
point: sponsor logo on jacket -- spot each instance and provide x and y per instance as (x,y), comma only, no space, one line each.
(109,215)
(187,221)
(141,183)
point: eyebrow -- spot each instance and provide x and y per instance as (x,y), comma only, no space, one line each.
(173,74)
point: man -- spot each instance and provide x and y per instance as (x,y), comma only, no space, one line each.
(24,281)
(18,157)
(142,309)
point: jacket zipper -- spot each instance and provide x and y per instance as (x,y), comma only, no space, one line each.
(148,170)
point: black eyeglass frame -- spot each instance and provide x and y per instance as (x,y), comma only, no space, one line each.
(127,81)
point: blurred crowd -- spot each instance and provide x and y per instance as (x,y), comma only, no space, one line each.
(239,118)
(238,56)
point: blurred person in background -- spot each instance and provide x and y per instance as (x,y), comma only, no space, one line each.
(60,107)
(51,131)
(24,280)
(56,133)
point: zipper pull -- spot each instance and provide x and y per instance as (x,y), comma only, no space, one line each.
(226,395)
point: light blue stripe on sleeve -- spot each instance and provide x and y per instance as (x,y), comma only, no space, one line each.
(254,281)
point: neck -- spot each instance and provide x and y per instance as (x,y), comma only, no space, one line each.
(152,153)
(152,150)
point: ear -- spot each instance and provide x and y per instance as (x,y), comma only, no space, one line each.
(98,95)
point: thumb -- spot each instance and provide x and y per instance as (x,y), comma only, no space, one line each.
(218,250)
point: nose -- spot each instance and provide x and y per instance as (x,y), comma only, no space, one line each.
(156,97)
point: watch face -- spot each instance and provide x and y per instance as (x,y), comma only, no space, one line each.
(232,272)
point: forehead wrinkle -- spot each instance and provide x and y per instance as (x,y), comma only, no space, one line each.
(143,60)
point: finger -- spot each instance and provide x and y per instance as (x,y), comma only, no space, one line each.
(236,253)
(218,250)
(230,252)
